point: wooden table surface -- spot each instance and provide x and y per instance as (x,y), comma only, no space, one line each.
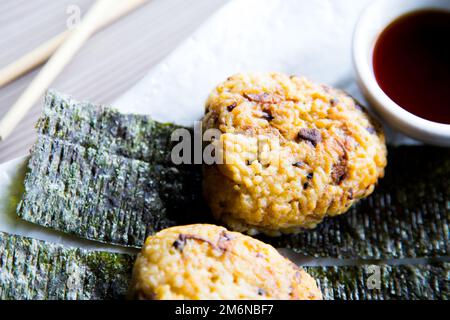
(108,64)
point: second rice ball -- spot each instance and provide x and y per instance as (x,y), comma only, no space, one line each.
(293,153)
(203,261)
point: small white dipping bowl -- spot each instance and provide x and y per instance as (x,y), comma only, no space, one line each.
(372,22)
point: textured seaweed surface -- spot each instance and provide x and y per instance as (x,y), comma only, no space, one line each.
(99,127)
(105,176)
(34,269)
(406,216)
(383,282)
(102,197)
(119,200)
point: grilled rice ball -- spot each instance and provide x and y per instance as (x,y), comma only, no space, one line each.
(204,261)
(294,152)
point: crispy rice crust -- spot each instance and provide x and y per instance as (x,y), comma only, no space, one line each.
(209,262)
(325,153)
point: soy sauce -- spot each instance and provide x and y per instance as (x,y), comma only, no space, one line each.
(411,61)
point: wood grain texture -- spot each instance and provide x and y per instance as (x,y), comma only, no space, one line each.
(110,62)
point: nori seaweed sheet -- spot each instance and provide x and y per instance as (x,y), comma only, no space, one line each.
(406,217)
(384,282)
(104,197)
(34,269)
(104,128)
(85,178)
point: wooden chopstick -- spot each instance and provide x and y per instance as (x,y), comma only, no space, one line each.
(32,59)
(64,46)
(42,53)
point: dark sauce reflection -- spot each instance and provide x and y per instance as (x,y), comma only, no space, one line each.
(411,61)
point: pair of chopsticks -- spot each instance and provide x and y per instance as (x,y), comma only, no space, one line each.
(58,51)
